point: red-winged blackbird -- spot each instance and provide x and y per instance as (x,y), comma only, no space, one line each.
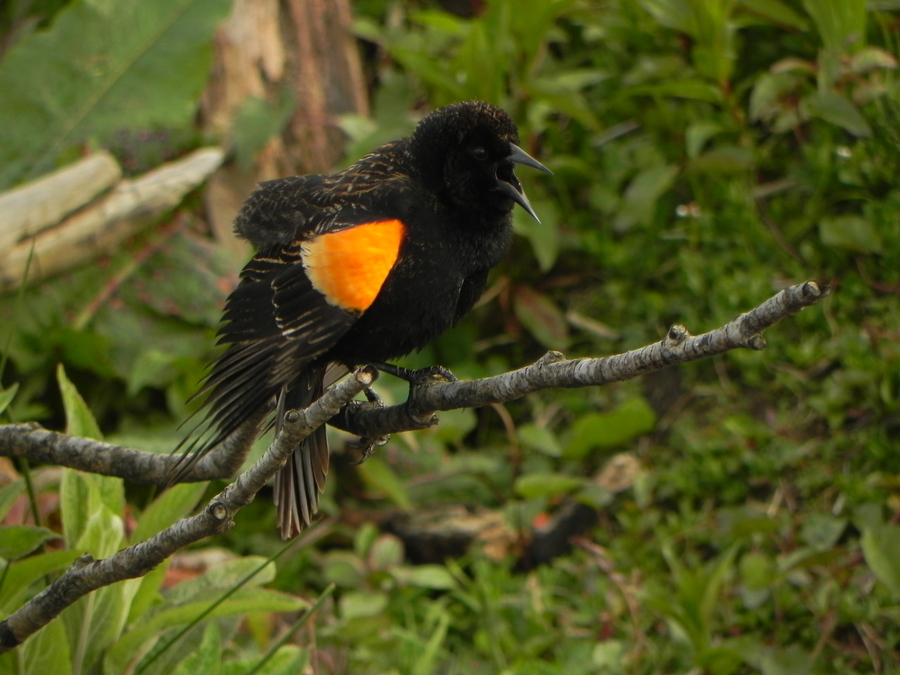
(360,267)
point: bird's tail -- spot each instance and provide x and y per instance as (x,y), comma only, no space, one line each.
(299,482)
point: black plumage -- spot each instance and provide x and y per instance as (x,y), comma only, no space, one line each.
(359,267)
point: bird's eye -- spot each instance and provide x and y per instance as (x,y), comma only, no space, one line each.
(479,153)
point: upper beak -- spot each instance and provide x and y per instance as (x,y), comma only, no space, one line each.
(519,156)
(515,192)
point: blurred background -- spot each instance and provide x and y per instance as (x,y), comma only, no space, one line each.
(736,515)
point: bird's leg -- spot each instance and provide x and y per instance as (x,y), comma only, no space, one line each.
(367,446)
(423,377)
(420,377)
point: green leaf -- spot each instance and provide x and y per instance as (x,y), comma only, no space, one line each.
(207,657)
(22,574)
(540,439)
(357,605)
(881,547)
(633,418)
(776,12)
(540,315)
(257,122)
(852,233)
(641,195)
(172,505)
(144,66)
(243,601)
(792,660)
(8,496)
(838,110)
(436,577)
(378,475)
(7,395)
(17,541)
(47,651)
(840,22)
(535,485)
(543,235)
(90,507)
(79,420)
(822,531)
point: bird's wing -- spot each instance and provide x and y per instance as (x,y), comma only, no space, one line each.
(295,301)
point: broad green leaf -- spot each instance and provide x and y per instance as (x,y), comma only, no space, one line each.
(22,574)
(540,439)
(92,502)
(147,592)
(378,475)
(79,420)
(358,605)
(792,660)
(881,547)
(207,657)
(840,23)
(386,552)
(97,621)
(641,195)
(288,660)
(17,541)
(698,90)
(540,315)
(242,602)
(838,110)
(535,485)
(543,235)
(257,122)
(725,159)
(776,12)
(7,395)
(144,65)
(633,418)
(8,496)
(851,233)
(426,576)
(47,651)
(172,505)
(821,530)
(224,576)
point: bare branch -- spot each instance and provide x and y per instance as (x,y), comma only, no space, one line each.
(553,371)
(337,408)
(87,575)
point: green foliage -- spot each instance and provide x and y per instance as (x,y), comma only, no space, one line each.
(143,66)
(705,154)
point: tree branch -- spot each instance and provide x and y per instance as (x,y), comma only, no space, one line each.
(552,371)
(87,575)
(337,408)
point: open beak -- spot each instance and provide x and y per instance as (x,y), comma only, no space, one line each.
(513,189)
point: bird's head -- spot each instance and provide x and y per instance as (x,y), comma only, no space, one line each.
(469,151)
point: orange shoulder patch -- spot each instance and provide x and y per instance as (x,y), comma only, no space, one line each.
(349,267)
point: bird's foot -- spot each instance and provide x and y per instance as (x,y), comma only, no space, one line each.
(367,446)
(420,377)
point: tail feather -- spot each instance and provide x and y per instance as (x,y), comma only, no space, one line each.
(299,482)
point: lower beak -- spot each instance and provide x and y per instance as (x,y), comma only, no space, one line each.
(515,191)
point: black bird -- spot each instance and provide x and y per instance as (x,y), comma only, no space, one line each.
(359,267)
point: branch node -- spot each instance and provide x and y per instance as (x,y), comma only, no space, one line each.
(549,358)
(366,375)
(83,561)
(292,416)
(815,290)
(756,342)
(676,335)
(218,510)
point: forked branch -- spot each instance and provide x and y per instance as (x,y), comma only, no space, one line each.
(337,408)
